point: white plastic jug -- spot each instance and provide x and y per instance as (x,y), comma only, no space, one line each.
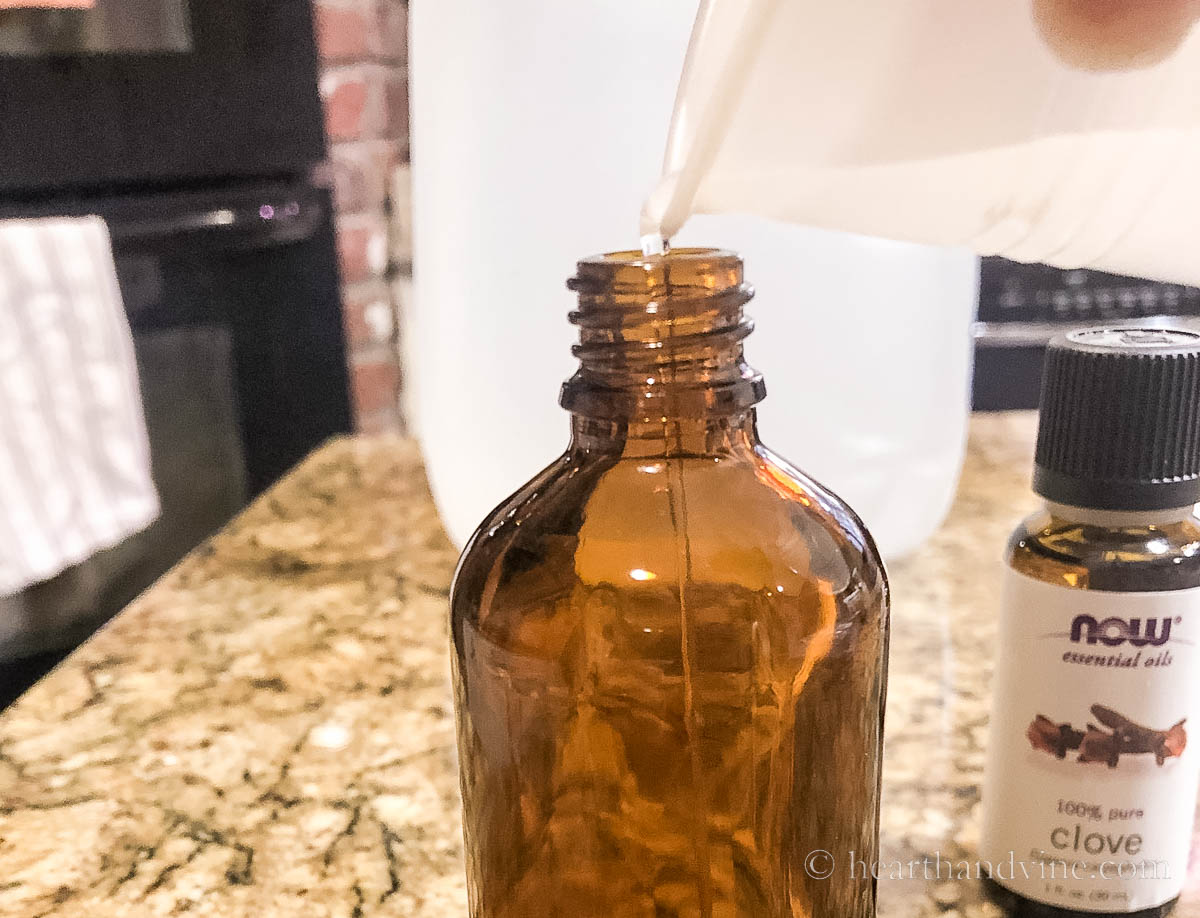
(937,121)
(538,130)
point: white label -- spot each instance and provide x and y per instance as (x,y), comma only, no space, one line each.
(1090,785)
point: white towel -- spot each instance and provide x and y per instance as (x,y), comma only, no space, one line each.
(74,457)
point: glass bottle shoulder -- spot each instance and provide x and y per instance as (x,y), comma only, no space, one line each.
(1142,557)
(744,522)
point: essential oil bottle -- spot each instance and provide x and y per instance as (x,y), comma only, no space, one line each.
(670,645)
(1090,787)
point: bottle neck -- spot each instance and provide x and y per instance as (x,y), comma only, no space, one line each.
(715,436)
(1119,519)
(660,345)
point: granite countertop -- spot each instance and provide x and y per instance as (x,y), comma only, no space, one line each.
(269,729)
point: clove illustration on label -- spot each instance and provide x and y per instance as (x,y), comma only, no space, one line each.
(1097,744)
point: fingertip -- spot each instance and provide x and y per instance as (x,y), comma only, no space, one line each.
(1114,34)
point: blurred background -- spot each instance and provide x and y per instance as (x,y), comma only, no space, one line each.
(250,163)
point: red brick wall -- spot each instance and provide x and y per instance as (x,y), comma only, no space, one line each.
(364,50)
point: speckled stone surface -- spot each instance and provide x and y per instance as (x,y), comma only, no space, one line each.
(268,730)
(944,604)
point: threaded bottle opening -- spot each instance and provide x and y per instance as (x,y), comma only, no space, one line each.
(629,298)
(661,334)
(632,273)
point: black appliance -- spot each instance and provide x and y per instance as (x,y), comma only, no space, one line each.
(1021,307)
(194,127)
(139,92)
(256,261)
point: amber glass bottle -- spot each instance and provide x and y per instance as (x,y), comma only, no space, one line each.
(669,646)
